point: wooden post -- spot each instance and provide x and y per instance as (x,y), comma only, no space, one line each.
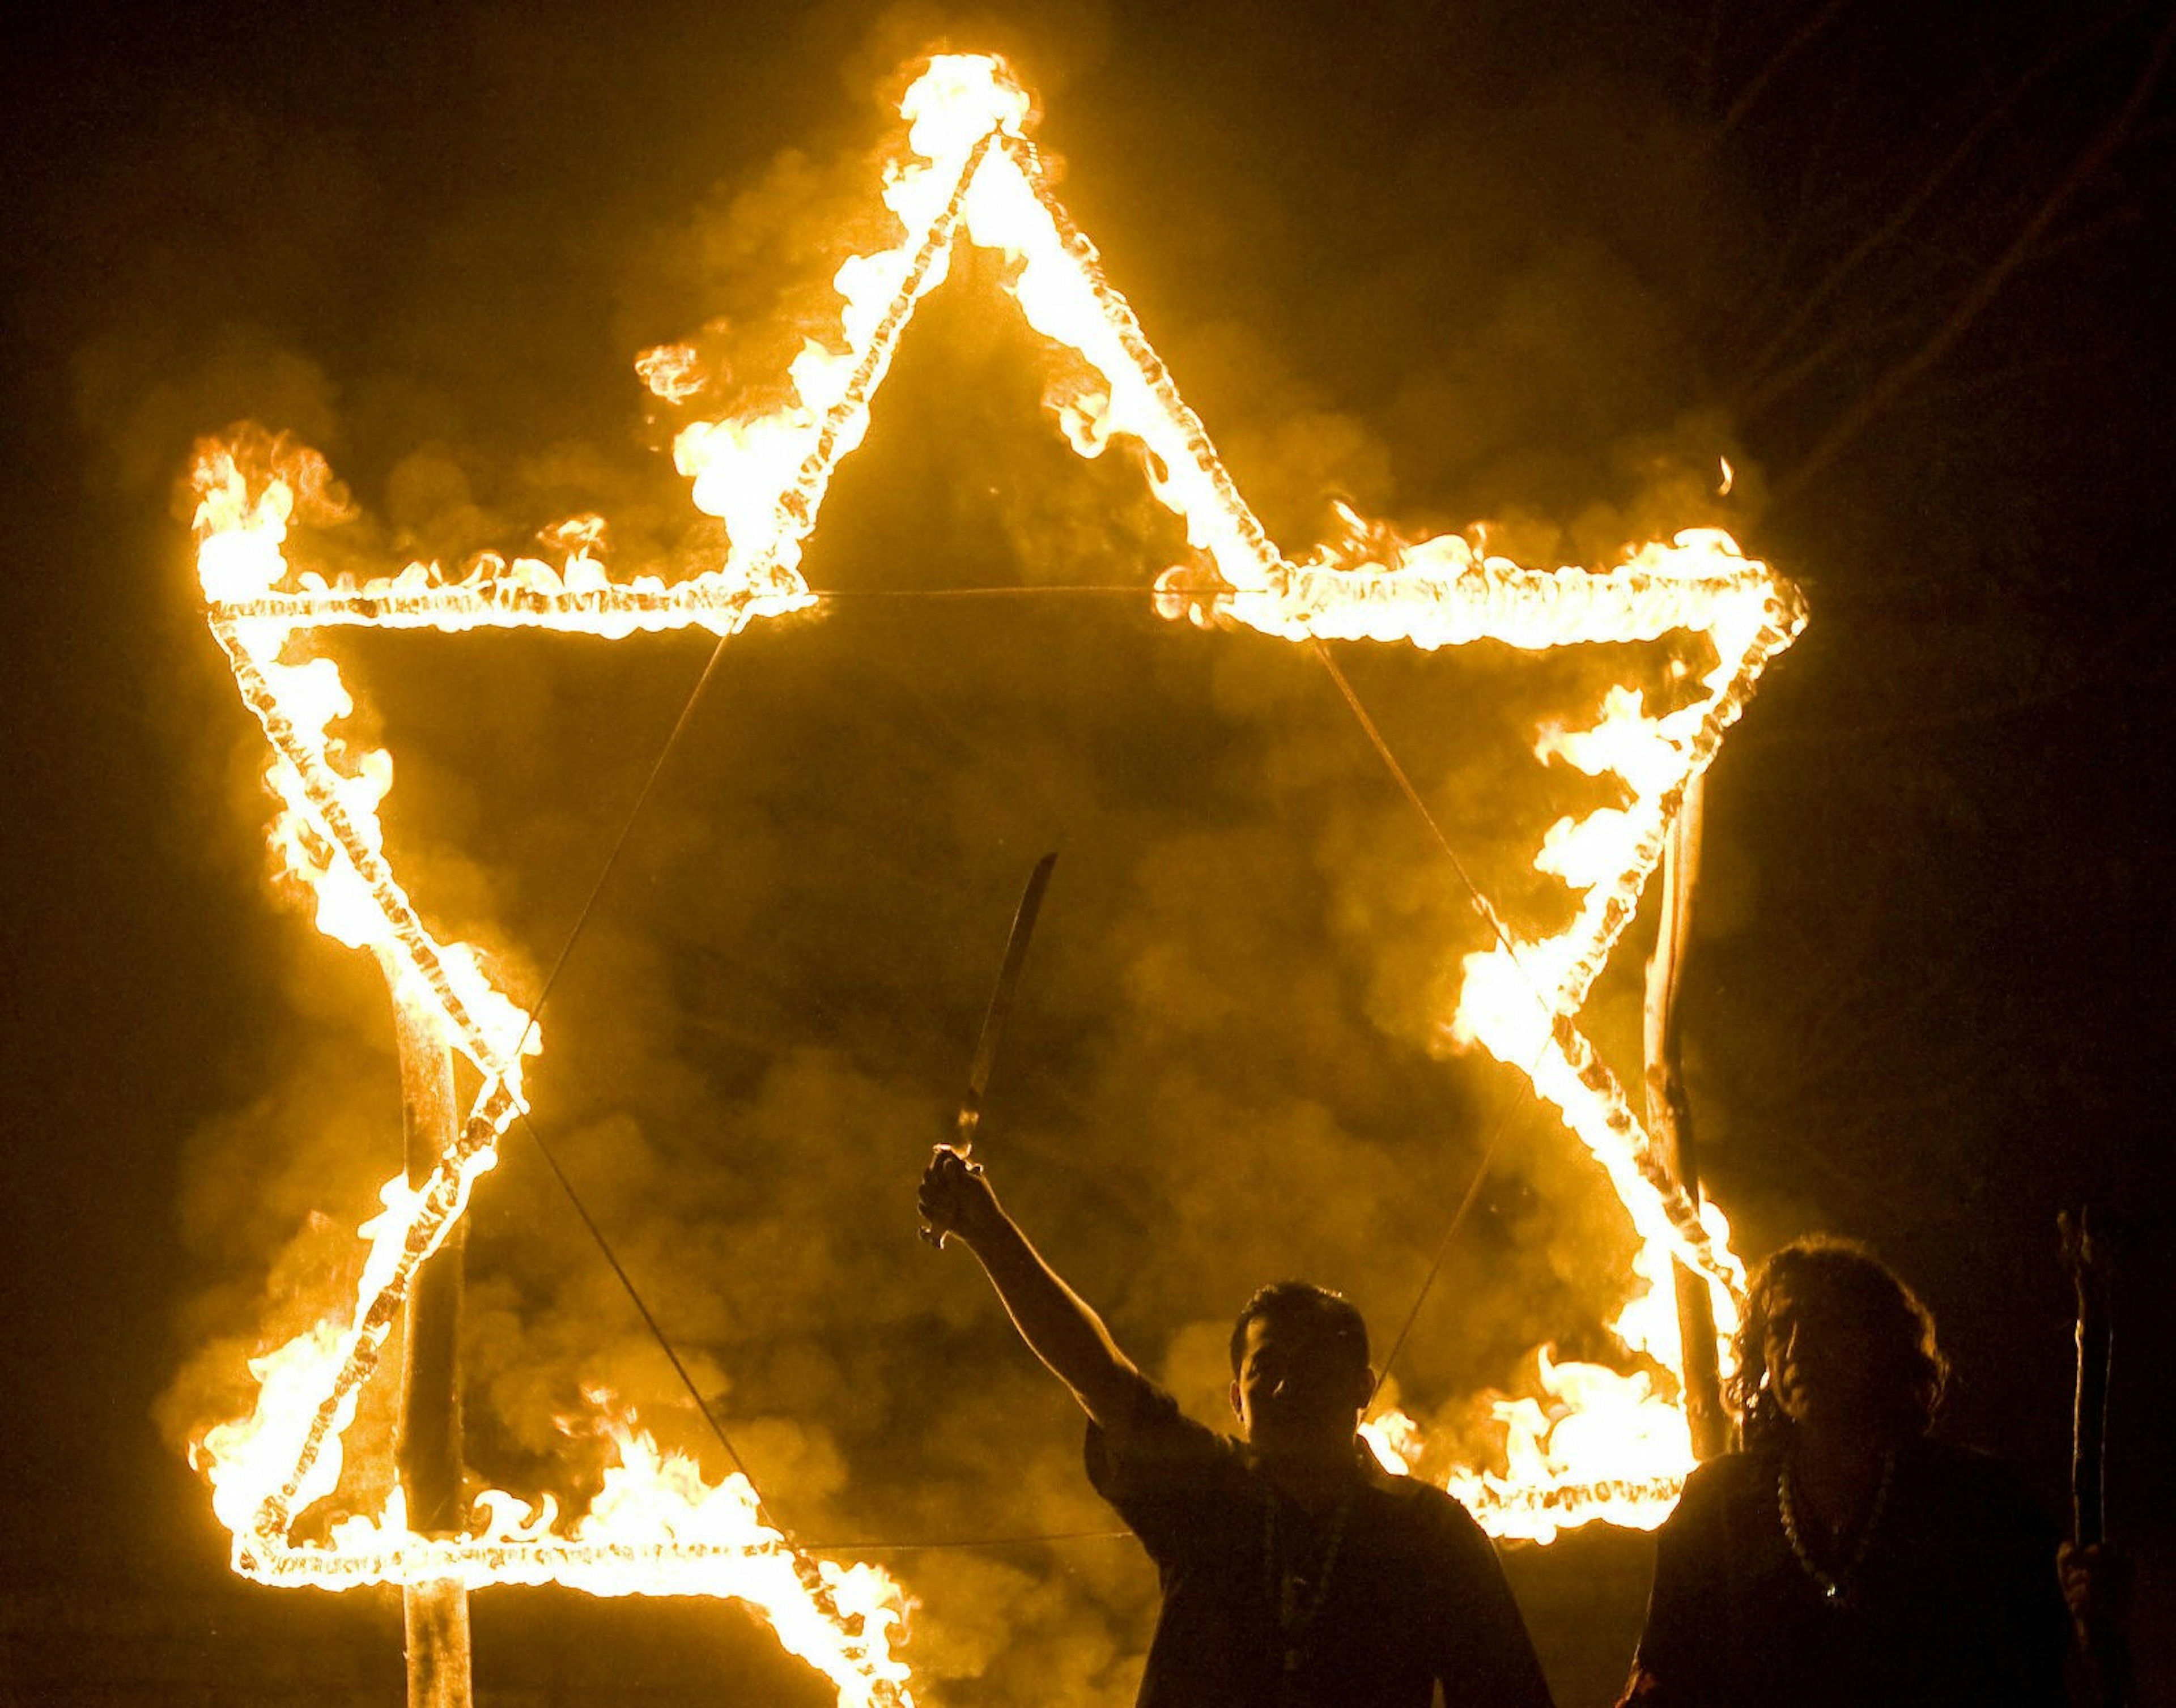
(1669,1117)
(436,1613)
(2103,1634)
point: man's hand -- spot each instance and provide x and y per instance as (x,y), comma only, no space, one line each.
(2096,1582)
(1060,1326)
(955,1198)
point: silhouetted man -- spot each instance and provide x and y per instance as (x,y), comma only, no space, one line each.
(1296,1572)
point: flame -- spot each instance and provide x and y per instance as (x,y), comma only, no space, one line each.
(672,371)
(1595,1444)
(657,1527)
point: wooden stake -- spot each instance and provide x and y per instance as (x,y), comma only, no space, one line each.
(436,1613)
(2089,1254)
(1669,1117)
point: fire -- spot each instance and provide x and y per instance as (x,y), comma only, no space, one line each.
(656,1527)
(1596,1445)
(672,371)
(1601,1446)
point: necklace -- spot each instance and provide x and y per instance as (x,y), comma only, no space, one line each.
(1835,1585)
(1295,1597)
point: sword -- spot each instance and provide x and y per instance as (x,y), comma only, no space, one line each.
(969,1118)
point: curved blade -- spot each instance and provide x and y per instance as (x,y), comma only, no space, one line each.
(1001,1000)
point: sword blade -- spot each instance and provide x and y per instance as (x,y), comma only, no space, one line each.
(994,1017)
(1001,1000)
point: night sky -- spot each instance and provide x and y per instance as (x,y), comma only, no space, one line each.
(1543,265)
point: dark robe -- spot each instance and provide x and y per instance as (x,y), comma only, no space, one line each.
(1955,1602)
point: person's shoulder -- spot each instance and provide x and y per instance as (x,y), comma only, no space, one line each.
(1413,1493)
(1953,1462)
(1177,1482)
(1146,1407)
(1431,1506)
(1729,1476)
(1967,1476)
(1152,1435)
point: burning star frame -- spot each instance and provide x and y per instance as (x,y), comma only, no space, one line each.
(966,170)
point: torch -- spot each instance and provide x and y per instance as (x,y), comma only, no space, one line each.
(2087,1253)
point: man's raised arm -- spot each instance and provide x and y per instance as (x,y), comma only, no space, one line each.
(1060,1326)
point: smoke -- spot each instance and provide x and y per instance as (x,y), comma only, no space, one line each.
(1227,1065)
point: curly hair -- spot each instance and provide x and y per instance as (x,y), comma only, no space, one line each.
(1842,1278)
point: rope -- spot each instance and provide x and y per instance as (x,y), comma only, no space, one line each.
(1442,1251)
(1108,590)
(648,1320)
(1495,923)
(969,1542)
(558,965)
(559,1174)
(550,981)
(612,860)
(1481,904)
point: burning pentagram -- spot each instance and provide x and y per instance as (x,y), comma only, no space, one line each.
(967,170)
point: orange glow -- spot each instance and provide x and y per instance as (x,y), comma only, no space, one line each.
(1609,1448)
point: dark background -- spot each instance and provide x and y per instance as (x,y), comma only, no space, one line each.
(1909,273)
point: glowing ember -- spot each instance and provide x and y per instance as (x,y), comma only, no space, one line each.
(1600,1445)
